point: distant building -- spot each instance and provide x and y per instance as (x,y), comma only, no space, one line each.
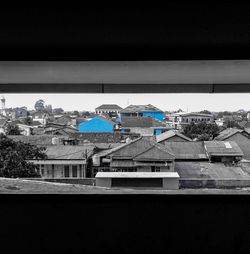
(142,111)
(3,126)
(145,126)
(21,112)
(97,124)
(196,118)
(108,109)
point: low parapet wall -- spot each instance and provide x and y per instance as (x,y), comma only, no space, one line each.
(198,183)
(83,181)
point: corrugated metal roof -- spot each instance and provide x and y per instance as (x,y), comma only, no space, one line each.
(170,134)
(61,152)
(209,170)
(140,108)
(141,122)
(187,150)
(219,148)
(40,140)
(227,133)
(109,106)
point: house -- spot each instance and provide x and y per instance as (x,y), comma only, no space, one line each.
(241,137)
(188,118)
(103,137)
(64,119)
(112,109)
(142,111)
(59,129)
(140,155)
(64,161)
(172,136)
(227,152)
(97,124)
(41,117)
(145,126)
(25,129)
(19,113)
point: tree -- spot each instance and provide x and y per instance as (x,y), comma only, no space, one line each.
(201,131)
(12,130)
(27,121)
(14,158)
(39,105)
(205,112)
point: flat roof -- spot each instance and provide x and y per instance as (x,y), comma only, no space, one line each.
(137,175)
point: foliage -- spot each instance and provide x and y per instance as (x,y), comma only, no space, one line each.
(201,131)
(39,105)
(224,113)
(205,112)
(232,124)
(14,156)
(27,121)
(12,130)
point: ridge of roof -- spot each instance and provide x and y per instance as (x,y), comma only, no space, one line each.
(171,133)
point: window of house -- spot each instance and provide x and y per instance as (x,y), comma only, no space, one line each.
(74,171)
(42,169)
(66,171)
(53,170)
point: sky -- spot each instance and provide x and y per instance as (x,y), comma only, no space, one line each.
(187,102)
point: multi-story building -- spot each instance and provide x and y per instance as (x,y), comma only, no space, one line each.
(142,111)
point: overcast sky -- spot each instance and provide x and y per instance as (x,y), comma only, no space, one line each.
(187,102)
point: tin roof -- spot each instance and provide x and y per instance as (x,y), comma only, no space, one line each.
(61,152)
(228,133)
(109,106)
(141,122)
(140,108)
(187,150)
(170,134)
(222,148)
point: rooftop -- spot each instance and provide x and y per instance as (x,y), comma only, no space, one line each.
(170,134)
(137,175)
(141,122)
(61,152)
(228,133)
(140,108)
(109,106)
(220,148)
(187,150)
(197,114)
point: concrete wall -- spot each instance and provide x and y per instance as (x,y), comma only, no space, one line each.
(197,183)
(83,181)
(170,183)
(103,182)
(142,131)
